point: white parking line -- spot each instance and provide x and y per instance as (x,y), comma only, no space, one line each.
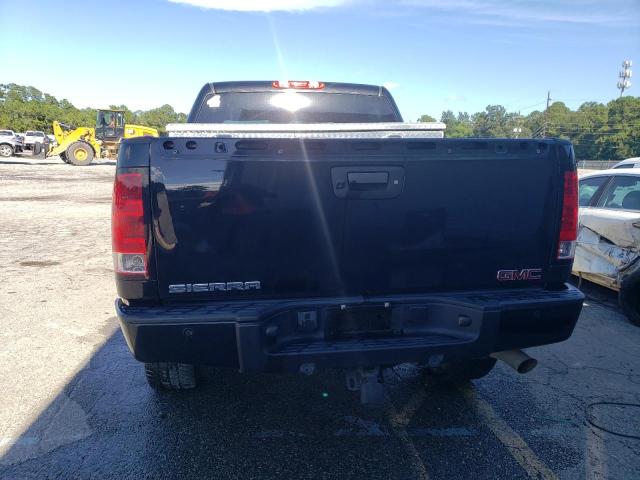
(596,458)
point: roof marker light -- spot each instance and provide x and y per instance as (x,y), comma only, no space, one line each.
(299,84)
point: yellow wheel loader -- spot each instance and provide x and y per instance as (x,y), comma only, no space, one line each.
(79,146)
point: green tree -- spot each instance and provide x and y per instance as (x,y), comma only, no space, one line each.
(598,131)
(457,126)
(560,121)
(27,108)
(426,118)
(494,122)
(535,122)
(620,137)
(588,126)
(160,117)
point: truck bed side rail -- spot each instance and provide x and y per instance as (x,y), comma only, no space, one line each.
(308,130)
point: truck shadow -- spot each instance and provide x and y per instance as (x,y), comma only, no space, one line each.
(106,422)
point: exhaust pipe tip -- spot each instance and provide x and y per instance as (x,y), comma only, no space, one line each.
(527,365)
(516,359)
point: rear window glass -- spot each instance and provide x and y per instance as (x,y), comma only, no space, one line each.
(34,134)
(6,132)
(623,193)
(295,107)
(588,187)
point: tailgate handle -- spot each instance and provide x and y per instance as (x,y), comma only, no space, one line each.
(366,180)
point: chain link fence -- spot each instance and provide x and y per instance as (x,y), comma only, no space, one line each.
(596,164)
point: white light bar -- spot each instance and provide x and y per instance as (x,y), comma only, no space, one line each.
(308,130)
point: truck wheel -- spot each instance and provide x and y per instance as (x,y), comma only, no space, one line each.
(63,157)
(463,371)
(80,154)
(6,150)
(629,297)
(170,376)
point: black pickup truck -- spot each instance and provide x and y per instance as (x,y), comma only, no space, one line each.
(296,226)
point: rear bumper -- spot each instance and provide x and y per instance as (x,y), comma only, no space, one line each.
(284,335)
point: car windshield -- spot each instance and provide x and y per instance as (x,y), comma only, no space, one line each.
(6,132)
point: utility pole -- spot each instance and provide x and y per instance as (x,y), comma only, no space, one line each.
(517,129)
(546,115)
(625,75)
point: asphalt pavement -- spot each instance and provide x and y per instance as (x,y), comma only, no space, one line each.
(75,404)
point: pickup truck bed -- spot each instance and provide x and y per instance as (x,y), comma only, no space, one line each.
(276,254)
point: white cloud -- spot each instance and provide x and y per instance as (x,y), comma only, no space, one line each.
(262,5)
(391,85)
(509,12)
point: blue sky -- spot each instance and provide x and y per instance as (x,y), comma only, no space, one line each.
(436,55)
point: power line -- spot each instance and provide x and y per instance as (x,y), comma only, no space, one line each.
(583,132)
(529,106)
(612,147)
(578,132)
(579,128)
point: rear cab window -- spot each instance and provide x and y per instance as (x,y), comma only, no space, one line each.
(295,107)
(623,193)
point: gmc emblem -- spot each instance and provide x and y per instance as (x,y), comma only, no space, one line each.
(519,275)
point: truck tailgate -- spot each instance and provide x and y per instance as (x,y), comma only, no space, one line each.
(348,217)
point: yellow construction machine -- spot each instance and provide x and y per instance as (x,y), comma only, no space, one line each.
(78,146)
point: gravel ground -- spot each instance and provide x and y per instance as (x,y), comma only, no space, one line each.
(75,404)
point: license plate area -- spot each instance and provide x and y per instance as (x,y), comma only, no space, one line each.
(358,322)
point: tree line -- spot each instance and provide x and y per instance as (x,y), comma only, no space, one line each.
(597,131)
(27,108)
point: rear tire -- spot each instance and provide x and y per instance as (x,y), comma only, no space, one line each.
(629,297)
(63,157)
(6,151)
(463,371)
(80,154)
(170,376)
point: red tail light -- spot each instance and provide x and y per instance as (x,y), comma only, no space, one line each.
(128,231)
(301,84)
(569,222)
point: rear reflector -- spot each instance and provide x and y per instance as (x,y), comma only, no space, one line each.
(569,221)
(128,231)
(301,84)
